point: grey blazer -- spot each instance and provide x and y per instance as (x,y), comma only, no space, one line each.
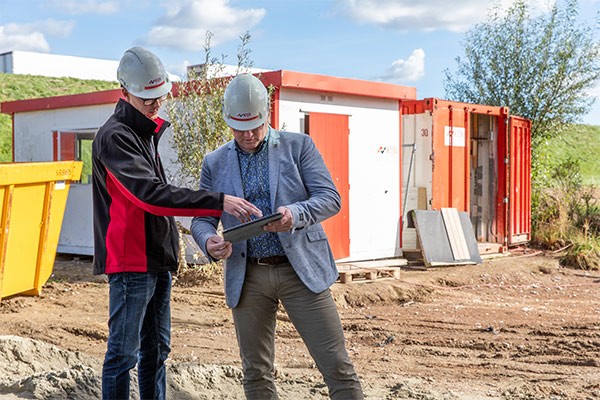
(299,180)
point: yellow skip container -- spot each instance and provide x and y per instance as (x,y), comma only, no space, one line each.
(34,196)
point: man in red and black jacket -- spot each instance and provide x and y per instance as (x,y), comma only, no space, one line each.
(135,236)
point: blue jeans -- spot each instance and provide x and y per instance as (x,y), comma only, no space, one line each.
(139,332)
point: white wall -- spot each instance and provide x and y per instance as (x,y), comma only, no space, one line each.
(29,63)
(373,165)
(33,130)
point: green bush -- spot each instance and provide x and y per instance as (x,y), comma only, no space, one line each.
(567,216)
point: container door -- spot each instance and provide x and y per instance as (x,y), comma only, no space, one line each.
(330,134)
(450,159)
(416,170)
(519,199)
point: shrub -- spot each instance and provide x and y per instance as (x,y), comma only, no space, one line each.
(567,217)
(583,252)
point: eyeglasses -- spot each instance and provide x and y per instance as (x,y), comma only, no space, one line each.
(254,131)
(149,102)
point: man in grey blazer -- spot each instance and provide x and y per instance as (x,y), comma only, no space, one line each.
(291,262)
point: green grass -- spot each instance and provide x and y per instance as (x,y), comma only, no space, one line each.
(20,87)
(580,143)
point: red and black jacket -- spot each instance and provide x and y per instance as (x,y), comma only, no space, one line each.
(134,228)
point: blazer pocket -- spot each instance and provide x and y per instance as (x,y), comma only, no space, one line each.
(314,236)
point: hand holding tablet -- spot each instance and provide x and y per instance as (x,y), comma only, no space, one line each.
(249,229)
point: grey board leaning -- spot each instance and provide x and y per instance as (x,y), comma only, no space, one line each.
(433,238)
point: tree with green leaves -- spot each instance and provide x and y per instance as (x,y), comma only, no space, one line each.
(195,112)
(541,66)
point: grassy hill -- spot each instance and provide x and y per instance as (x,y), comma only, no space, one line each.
(20,87)
(582,143)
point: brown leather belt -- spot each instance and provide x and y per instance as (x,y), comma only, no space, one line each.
(273,260)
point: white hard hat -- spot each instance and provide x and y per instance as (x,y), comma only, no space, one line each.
(245,103)
(143,74)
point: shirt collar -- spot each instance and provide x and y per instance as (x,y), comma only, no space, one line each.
(261,146)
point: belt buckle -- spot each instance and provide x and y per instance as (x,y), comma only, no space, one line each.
(258,262)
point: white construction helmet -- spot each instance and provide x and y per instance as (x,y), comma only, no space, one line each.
(143,74)
(245,103)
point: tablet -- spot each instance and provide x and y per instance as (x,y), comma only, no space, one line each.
(250,229)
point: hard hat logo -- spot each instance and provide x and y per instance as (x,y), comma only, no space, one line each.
(143,74)
(244,117)
(245,103)
(154,83)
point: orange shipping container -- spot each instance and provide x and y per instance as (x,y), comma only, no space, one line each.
(471,157)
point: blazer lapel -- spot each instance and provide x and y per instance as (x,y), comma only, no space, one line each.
(274,162)
(234,163)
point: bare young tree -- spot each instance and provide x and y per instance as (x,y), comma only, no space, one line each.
(198,127)
(541,67)
(195,111)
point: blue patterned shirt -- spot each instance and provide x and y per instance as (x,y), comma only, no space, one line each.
(254,168)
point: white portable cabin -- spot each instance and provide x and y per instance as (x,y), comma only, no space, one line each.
(32,63)
(355,124)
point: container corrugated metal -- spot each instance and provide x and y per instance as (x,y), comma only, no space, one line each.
(520,177)
(33,196)
(471,157)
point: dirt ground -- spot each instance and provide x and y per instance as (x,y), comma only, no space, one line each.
(514,327)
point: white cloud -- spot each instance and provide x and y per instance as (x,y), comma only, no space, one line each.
(409,15)
(409,70)
(86,6)
(31,41)
(179,69)
(186,22)
(32,36)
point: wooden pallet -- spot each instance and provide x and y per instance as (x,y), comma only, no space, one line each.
(490,248)
(348,274)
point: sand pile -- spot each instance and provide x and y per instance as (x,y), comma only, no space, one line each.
(32,369)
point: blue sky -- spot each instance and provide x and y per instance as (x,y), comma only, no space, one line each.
(406,42)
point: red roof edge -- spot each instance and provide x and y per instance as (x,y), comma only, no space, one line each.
(430,103)
(331,84)
(66,101)
(279,79)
